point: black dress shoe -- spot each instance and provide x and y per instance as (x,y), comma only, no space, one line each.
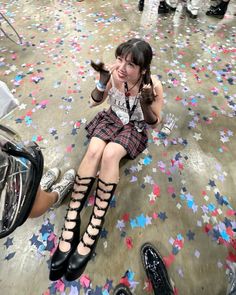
(140,5)
(163,8)
(218,11)
(60,259)
(121,289)
(156,270)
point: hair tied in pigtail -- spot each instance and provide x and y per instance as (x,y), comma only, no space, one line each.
(97,66)
(147,77)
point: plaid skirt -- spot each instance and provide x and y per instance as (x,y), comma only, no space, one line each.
(108,127)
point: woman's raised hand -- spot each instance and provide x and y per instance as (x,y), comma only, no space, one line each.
(105,71)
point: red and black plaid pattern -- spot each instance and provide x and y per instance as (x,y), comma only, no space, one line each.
(108,127)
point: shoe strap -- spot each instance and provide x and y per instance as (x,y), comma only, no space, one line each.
(79,192)
(78,200)
(99,227)
(85,192)
(95,226)
(106,184)
(71,209)
(85,244)
(97,217)
(68,229)
(72,220)
(78,178)
(91,236)
(99,207)
(107,200)
(66,240)
(88,185)
(77,218)
(69,240)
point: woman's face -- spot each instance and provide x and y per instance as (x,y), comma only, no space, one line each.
(126,70)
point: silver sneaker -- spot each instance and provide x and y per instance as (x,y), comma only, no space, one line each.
(49,178)
(231,290)
(64,186)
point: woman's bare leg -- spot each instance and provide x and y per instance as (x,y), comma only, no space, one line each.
(87,168)
(109,173)
(91,160)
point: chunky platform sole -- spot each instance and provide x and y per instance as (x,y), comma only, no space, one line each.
(72,276)
(56,274)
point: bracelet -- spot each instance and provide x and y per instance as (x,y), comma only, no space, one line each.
(100,87)
(96,100)
(152,123)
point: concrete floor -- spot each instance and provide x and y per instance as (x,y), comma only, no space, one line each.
(179,194)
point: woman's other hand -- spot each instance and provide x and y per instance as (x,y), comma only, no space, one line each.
(147,96)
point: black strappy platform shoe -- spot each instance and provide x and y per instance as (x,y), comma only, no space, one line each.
(59,259)
(77,262)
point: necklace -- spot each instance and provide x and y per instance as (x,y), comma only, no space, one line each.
(127,90)
(127,94)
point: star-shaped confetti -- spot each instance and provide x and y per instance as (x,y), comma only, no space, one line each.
(8,242)
(162,216)
(190,235)
(197,136)
(104,233)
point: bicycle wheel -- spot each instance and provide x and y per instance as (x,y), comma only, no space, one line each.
(7,30)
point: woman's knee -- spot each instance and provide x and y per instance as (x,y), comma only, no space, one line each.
(94,152)
(111,155)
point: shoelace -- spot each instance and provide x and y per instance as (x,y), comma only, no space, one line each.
(48,178)
(157,281)
(63,185)
(69,177)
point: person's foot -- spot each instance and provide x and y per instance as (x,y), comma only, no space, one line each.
(214,4)
(64,186)
(140,5)
(156,270)
(122,289)
(163,8)
(171,4)
(218,11)
(191,14)
(49,178)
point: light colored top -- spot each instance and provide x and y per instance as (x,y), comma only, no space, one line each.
(116,99)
